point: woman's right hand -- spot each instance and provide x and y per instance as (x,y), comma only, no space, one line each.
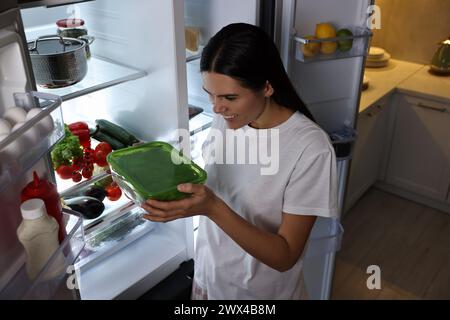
(202,201)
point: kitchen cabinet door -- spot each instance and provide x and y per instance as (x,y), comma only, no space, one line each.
(420,152)
(368,152)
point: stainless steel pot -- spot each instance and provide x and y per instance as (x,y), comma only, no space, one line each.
(58,61)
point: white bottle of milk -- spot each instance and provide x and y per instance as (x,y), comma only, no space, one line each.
(38,233)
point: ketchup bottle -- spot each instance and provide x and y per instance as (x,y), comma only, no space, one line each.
(45,190)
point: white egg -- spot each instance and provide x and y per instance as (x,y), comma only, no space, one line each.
(31,137)
(45,126)
(5,127)
(14,115)
(32,113)
(12,151)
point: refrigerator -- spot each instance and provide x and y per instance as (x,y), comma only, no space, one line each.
(142,77)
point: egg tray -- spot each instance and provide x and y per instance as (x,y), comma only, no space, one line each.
(17,154)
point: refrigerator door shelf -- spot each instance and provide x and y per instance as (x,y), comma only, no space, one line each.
(53,281)
(14,71)
(14,167)
(343,142)
(359,46)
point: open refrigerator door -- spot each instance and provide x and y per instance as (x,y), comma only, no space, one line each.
(136,79)
(327,70)
(32,125)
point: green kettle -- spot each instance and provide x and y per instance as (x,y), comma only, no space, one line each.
(441,59)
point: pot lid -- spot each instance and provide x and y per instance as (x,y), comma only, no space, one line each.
(49,45)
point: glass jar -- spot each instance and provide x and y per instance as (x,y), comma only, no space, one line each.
(73,28)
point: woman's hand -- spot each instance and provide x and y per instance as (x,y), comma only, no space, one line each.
(202,201)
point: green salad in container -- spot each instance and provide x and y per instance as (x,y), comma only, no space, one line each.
(153,171)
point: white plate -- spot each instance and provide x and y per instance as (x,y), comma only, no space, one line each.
(376,53)
(376,64)
(384,58)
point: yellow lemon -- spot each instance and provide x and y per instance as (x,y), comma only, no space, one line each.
(328,47)
(326,30)
(310,49)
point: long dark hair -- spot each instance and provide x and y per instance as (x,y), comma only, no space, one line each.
(246,53)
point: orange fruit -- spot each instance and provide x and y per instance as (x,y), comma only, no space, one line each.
(326,30)
(310,49)
(328,47)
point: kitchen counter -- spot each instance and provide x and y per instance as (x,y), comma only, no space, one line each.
(427,84)
(383,81)
(407,77)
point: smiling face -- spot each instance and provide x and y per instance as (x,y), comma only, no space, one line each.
(239,106)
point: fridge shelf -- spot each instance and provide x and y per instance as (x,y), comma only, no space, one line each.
(112,233)
(24,147)
(101,74)
(359,46)
(52,282)
(80,188)
(193,56)
(200,123)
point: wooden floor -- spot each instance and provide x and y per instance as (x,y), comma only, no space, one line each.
(408,241)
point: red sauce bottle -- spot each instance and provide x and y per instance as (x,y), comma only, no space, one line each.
(45,190)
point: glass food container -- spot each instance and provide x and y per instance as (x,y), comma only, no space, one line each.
(153,171)
(74,28)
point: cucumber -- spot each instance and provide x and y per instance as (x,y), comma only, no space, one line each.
(113,142)
(116,131)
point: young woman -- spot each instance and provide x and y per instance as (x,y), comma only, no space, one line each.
(254,227)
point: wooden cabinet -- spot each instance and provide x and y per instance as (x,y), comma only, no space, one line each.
(419,159)
(368,151)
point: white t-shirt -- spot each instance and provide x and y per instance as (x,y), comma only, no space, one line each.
(304,184)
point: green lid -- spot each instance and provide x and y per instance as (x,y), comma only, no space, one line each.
(152,171)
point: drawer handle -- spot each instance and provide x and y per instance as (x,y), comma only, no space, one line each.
(373,113)
(422,105)
(376,111)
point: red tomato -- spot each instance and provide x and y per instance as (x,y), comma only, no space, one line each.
(100,158)
(103,146)
(76,177)
(77,163)
(88,153)
(86,172)
(65,172)
(113,192)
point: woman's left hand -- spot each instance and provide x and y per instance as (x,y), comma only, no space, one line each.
(202,201)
